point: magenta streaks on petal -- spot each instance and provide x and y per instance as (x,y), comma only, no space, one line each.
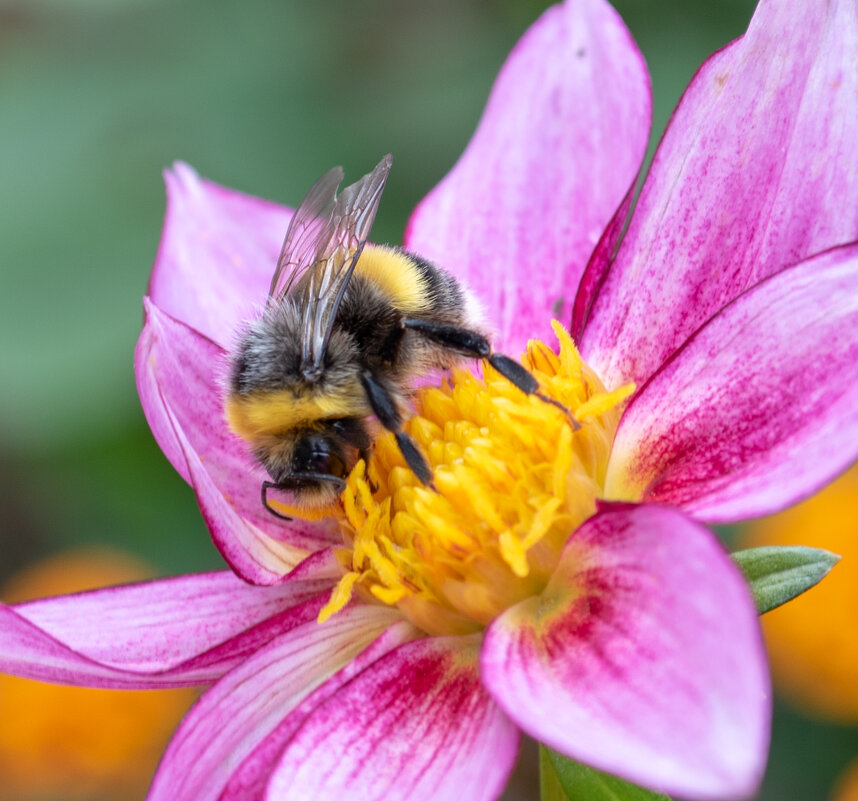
(148,370)
(758,170)
(250,779)
(560,142)
(166,633)
(179,380)
(643,657)
(235,715)
(217,254)
(598,266)
(760,408)
(416,725)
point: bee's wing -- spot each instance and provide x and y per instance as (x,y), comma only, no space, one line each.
(337,247)
(300,249)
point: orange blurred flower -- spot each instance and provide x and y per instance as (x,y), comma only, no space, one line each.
(813,641)
(846,788)
(78,743)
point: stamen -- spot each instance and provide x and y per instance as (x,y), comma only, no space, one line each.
(513,477)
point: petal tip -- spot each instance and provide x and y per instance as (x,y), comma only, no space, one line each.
(182,176)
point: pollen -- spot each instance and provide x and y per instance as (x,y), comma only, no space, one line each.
(513,477)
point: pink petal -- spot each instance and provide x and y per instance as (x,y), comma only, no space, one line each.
(179,381)
(250,779)
(559,144)
(760,407)
(598,266)
(417,724)
(173,632)
(217,254)
(235,715)
(758,170)
(642,658)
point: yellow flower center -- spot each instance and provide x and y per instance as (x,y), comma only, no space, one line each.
(513,478)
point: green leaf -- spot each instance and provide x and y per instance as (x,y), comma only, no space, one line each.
(550,788)
(779,573)
(581,783)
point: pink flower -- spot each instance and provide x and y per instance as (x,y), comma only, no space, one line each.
(731,305)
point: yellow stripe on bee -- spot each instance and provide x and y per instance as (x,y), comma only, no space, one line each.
(265,413)
(396,276)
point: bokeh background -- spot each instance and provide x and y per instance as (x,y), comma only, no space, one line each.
(96,98)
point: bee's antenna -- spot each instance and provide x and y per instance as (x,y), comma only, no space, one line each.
(295,481)
(267,485)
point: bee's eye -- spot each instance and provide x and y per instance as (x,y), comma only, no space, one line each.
(315,454)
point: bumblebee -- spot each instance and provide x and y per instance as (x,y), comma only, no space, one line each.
(347,328)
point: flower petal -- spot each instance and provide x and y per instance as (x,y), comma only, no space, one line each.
(217,254)
(643,657)
(235,715)
(417,724)
(180,388)
(759,408)
(172,632)
(250,780)
(758,170)
(598,266)
(560,142)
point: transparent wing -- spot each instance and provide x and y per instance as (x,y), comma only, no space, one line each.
(337,246)
(300,251)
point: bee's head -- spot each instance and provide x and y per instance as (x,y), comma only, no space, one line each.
(307,431)
(308,466)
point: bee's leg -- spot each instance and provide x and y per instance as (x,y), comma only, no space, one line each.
(384,408)
(470,343)
(364,454)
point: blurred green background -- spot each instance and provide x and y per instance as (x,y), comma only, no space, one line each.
(98,96)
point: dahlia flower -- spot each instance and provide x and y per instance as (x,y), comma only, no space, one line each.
(560,581)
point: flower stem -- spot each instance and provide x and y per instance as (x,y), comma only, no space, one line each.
(550,788)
